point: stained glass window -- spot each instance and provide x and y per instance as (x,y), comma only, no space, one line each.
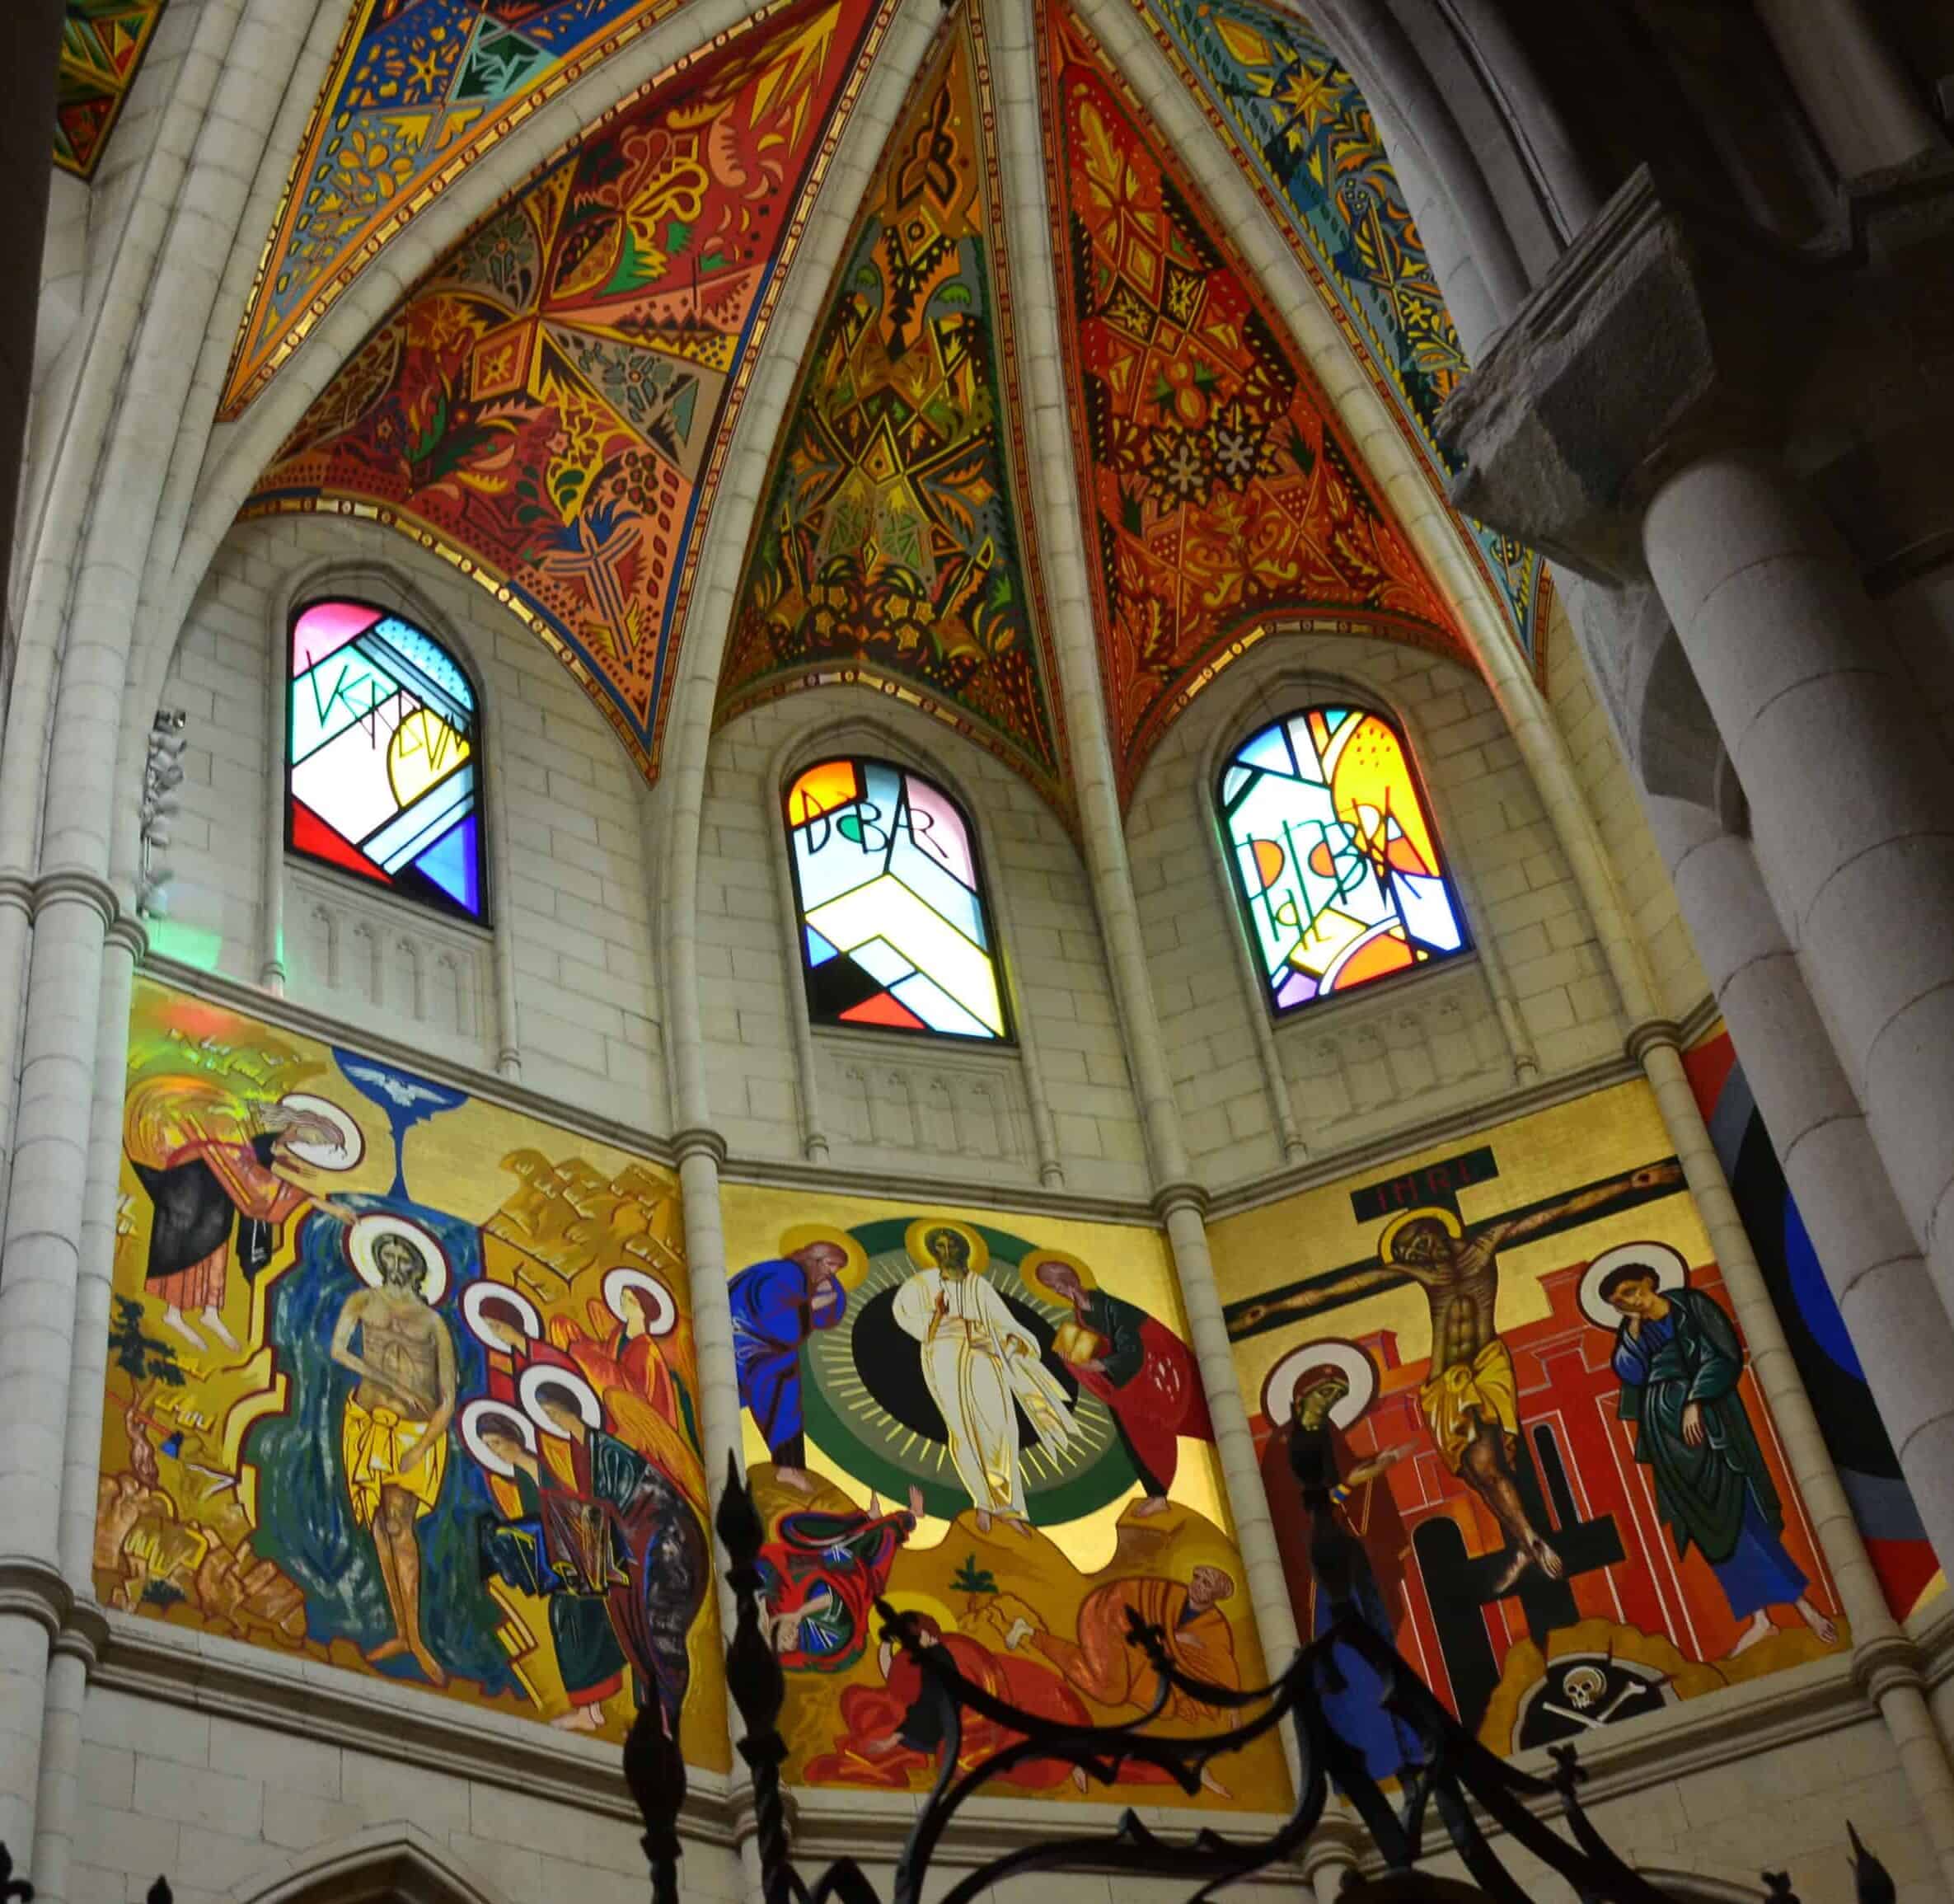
(1335,862)
(384,778)
(894,930)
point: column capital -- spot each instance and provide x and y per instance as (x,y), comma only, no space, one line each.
(128,931)
(1658,336)
(1652,1034)
(71,885)
(30,1589)
(695,1140)
(1170,1198)
(1887,1661)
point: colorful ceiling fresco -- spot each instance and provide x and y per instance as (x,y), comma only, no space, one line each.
(417,91)
(892,548)
(1219,490)
(1301,130)
(102,45)
(551,408)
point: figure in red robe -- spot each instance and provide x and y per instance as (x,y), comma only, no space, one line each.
(1139,1367)
(891,1732)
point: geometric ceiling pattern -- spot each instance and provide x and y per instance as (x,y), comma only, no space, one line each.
(551,406)
(102,45)
(891,545)
(418,88)
(1302,132)
(1219,491)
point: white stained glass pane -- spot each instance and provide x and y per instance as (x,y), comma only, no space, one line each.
(828,863)
(345,688)
(434,812)
(937,1009)
(882,962)
(1428,911)
(345,782)
(889,910)
(935,884)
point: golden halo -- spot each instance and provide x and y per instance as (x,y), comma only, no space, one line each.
(1359,1372)
(476,1415)
(1671,1272)
(800,1235)
(481,1292)
(1028,1264)
(913,1241)
(542,1374)
(364,1235)
(661,1315)
(1436,1212)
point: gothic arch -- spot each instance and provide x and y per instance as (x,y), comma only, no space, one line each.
(389,1864)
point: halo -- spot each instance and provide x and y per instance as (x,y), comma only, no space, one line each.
(1278,1392)
(1028,1264)
(475,1415)
(344,1155)
(363,1237)
(661,1315)
(1436,1212)
(540,1376)
(1671,1272)
(918,1251)
(802,1234)
(482,1292)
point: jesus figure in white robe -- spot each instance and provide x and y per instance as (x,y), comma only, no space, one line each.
(977,1359)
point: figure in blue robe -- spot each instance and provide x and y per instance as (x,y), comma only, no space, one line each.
(776,1306)
(1680,1361)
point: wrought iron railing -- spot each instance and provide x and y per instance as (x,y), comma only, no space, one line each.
(1449,1775)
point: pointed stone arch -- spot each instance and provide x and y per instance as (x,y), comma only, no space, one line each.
(396,1862)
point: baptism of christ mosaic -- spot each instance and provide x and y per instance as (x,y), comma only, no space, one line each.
(1002,1430)
(1516,1362)
(402,1381)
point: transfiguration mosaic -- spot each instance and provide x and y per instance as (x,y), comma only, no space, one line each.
(892,547)
(1219,490)
(550,408)
(1303,133)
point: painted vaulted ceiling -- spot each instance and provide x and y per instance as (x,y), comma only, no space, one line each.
(102,45)
(1219,490)
(550,406)
(891,544)
(1302,132)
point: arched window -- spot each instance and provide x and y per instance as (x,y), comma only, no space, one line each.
(1335,862)
(894,931)
(383,755)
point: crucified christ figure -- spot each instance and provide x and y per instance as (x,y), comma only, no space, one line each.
(1470,1397)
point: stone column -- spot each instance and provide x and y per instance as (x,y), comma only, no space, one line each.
(1857,858)
(29,48)
(82,1629)
(1178,1200)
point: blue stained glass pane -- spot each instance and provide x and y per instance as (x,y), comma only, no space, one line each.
(937,1009)
(432,659)
(1232,783)
(454,864)
(1269,749)
(819,951)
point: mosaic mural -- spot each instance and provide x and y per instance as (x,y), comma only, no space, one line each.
(550,407)
(1827,1363)
(1004,1434)
(1516,1358)
(1219,490)
(1303,133)
(890,548)
(102,45)
(417,91)
(402,1382)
